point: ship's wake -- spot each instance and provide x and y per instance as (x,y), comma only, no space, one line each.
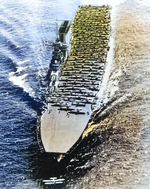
(118,132)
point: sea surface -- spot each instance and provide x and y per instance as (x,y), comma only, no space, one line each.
(27,30)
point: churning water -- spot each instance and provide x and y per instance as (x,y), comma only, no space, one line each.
(120,154)
(122,159)
(26,29)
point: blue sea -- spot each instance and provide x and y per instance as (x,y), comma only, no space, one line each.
(26,27)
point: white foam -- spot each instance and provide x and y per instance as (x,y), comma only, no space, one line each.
(107,70)
(22,62)
(20,81)
(8,36)
(19,69)
(143,2)
(101,2)
(102,94)
(112,3)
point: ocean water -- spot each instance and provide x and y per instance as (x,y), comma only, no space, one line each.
(26,27)
(117,153)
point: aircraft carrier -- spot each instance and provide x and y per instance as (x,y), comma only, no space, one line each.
(75,79)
